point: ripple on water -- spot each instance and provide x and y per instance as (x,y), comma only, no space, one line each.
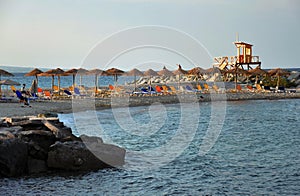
(256,153)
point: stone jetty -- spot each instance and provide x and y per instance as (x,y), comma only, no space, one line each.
(38,144)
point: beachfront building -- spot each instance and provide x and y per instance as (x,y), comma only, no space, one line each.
(244,58)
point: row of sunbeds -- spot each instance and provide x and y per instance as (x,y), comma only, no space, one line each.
(72,92)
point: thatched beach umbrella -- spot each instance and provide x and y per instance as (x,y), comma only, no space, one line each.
(54,72)
(35,73)
(72,72)
(8,82)
(197,71)
(236,71)
(150,73)
(278,72)
(97,73)
(115,72)
(165,72)
(134,72)
(4,73)
(81,72)
(257,71)
(179,72)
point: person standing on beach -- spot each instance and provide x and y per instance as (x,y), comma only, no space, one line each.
(25,94)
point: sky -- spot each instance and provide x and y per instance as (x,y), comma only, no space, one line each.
(149,33)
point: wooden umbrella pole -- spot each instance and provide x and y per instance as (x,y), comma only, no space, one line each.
(58,82)
(235,80)
(73,81)
(52,82)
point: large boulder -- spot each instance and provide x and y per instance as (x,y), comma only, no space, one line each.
(42,138)
(13,157)
(76,156)
(36,165)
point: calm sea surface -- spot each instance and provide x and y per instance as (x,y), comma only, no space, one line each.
(256,153)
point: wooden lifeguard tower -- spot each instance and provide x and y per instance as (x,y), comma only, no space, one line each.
(243,59)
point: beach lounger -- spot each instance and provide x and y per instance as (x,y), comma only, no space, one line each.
(199,88)
(189,89)
(250,88)
(13,88)
(216,88)
(281,89)
(258,88)
(68,92)
(238,87)
(206,87)
(151,90)
(173,89)
(158,89)
(47,95)
(21,98)
(165,89)
(267,89)
(77,92)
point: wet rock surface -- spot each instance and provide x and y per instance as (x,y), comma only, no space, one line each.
(37,144)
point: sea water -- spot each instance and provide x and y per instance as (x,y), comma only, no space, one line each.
(256,152)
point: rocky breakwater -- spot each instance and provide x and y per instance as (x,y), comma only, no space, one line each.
(37,144)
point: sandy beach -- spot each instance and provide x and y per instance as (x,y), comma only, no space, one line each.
(14,108)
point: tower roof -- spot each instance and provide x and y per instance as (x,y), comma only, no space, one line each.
(242,43)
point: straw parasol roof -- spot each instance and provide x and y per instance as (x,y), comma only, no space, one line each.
(72,72)
(150,72)
(179,71)
(257,71)
(35,73)
(196,71)
(9,82)
(236,71)
(115,72)
(54,72)
(5,73)
(82,71)
(134,72)
(278,72)
(212,70)
(97,72)
(165,72)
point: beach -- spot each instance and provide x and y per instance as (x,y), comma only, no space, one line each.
(14,108)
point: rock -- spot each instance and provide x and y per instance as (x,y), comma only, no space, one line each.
(36,166)
(43,139)
(36,151)
(13,130)
(4,135)
(58,129)
(77,157)
(91,139)
(47,115)
(13,157)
